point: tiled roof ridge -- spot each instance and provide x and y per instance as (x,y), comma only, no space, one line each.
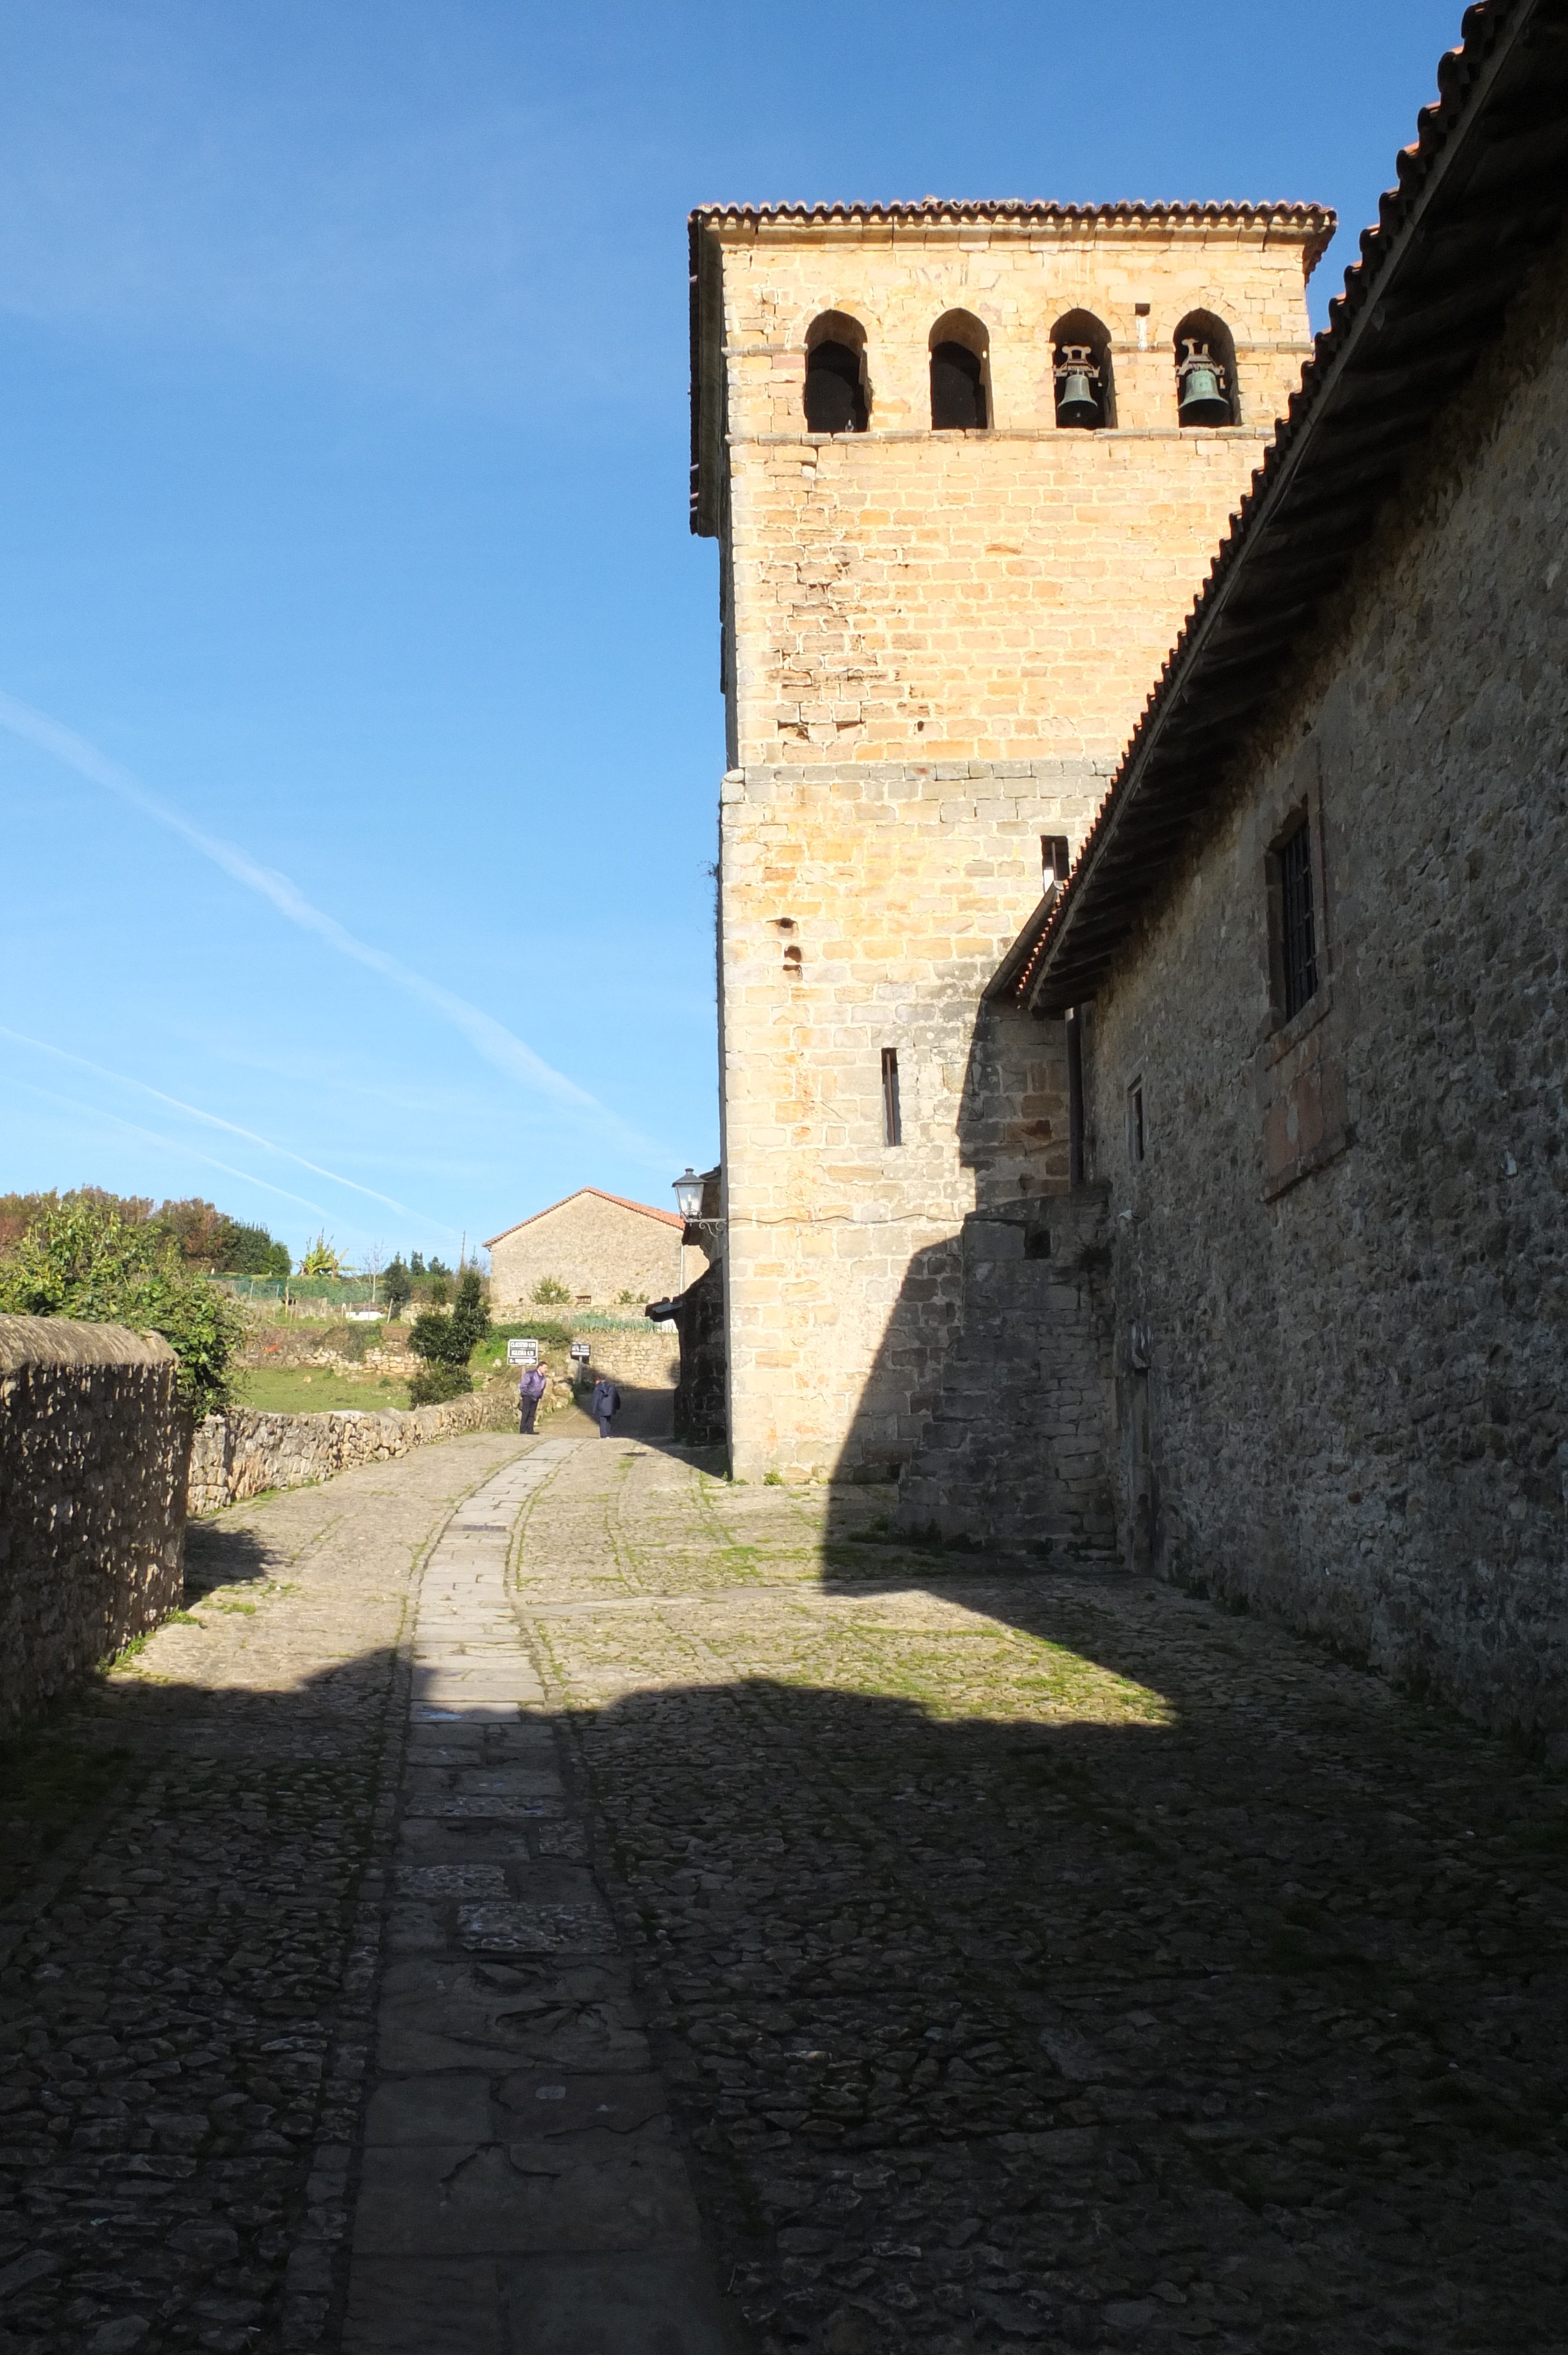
(648,1210)
(1456,75)
(1296,212)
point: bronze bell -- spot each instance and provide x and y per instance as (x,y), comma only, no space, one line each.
(1202,400)
(1077,403)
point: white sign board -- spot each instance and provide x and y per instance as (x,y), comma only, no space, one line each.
(523,1353)
(582,1349)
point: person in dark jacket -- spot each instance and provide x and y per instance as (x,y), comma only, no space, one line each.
(530,1391)
(605,1403)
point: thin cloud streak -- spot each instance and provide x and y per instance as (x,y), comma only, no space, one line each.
(489,1037)
(213,1120)
(168,1144)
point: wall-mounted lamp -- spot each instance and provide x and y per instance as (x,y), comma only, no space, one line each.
(689,1200)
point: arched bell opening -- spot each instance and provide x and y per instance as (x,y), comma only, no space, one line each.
(1205,371)
(1081,368)
(837,399)
(960,374)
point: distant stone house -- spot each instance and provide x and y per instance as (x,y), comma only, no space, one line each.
(1302,1314)
(604,1250)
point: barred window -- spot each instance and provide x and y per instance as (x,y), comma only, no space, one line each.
(1297,920)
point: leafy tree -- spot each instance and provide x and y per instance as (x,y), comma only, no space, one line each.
(549,1292)
(396,1286)
(439,1292)
(439,1267)
(81,1259)
(416,1263)
(254,1252)
(204,1234)
(321,1259)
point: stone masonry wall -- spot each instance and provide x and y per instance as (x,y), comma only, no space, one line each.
(1015,1455)
(936,646)
(1343,1257)
(92,1477)
(596,1247)
(243,1452)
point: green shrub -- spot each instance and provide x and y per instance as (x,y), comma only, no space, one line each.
(397,1288)
(471,1317)
(82,1259)
(549,1293)
(437,1381)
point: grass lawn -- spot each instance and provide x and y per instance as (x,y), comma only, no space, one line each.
(314,1390)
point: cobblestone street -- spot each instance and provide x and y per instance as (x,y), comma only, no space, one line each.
(772,1941)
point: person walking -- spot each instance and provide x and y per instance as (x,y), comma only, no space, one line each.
(605,1403)
(530,1391)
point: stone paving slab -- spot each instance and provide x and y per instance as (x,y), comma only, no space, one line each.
(783,1942)
(516,2155)
(1057,1962)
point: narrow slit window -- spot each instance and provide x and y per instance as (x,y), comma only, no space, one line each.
(1297,920)
(892,1118)
(1054,860)
(1134,1138)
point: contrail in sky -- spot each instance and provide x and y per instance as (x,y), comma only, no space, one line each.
(213,1120)
(489,1037)
(97,1112)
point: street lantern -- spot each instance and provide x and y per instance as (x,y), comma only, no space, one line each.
(689,1195)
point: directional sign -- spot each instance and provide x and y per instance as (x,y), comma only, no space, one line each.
(583,1350)
(523,1353)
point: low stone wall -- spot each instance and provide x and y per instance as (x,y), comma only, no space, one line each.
(242,1453)
(93,1485)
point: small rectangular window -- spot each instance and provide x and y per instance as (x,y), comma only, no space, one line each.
(1135,1120)
(1054,859)
(1297,920)
(891,1119)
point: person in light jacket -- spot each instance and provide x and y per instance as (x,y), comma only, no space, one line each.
(605,1403)
(530,1391)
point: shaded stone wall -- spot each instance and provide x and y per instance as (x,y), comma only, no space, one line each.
(243,1452)
(92,1484)
(1015,1455)
(1342,1262)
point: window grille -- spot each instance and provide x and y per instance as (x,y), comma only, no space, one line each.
(1297,922)
(891,1119)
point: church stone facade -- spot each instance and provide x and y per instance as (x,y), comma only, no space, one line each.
(1224,1236)
(935,640)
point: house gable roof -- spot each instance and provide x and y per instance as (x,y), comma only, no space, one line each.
(643,1209)
(1480,192)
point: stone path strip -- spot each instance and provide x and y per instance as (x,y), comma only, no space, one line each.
(185,1978)
(519,2186)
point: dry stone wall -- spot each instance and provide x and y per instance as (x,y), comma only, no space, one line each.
(244,1452)
(1344,1271)
(93,1449)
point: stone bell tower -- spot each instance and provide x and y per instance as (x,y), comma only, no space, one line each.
(966,464)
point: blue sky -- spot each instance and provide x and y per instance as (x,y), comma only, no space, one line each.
(359,732)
